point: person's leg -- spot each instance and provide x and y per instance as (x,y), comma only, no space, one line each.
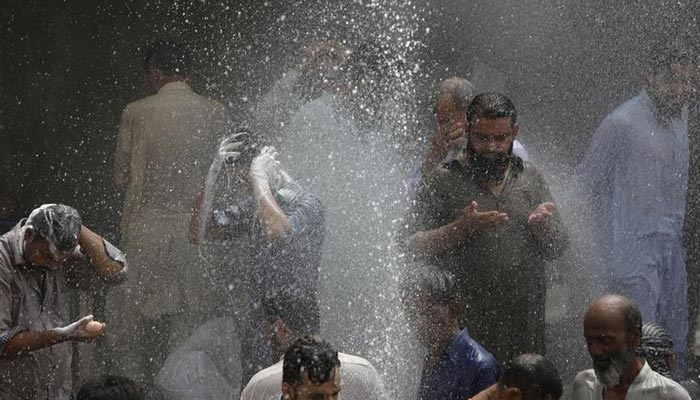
(637,275)
(673,303)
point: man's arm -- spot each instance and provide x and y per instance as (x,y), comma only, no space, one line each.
(29,341)
(546,224)
(599,162)
(106,259)
(122,156)
(436,241)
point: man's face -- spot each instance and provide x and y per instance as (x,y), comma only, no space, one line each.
(429,320)
(671,86)
(308,390)
(41,253)
(492,138)
(609,344)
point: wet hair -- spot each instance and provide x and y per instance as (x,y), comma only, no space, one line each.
(459,90)
(110,387)
(491,106)
(656,346)
(299,310)
(169,57)
(534,375)
(57,224)
(438,284)
(316,357)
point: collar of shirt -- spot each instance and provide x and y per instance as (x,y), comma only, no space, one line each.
(16,241)
(176,86)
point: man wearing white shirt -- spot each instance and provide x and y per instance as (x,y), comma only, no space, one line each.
(288,317)
(613,328)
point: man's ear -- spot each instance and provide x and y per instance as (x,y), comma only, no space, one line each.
(28,233)
(513,393)
(636,337)
(516,129)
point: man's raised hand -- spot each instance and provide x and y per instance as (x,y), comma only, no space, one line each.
(540,217)
(476,220)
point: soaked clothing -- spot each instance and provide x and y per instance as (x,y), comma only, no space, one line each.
(636,173)
(35,299)
(291,263)
(163,150)
(360,381)
(464,369)
(500,273)
(647,385)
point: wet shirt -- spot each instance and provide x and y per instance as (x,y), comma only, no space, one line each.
(637,171)
(647,385)
(464,369)
(360,381)
(33,299)
(500,272)
(293,261)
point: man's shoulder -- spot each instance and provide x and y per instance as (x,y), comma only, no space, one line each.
(352,361)
(666,388)
(630,112)
(585,380)
(161,99)
(467,351)
(266,381)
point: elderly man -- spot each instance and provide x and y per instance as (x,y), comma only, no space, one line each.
(527,377)
(490,219)
(612,327)
(164,144)
(40,259)
(289,317)
(456,367)
(636,174)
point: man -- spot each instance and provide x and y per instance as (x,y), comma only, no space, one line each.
(283,225)
(163,146)
(110,388)
(527,377)
(40,259)
(456,366)
(288,318)
(450,102)
(489,218)
(636,173)
(612,327)
(311,371)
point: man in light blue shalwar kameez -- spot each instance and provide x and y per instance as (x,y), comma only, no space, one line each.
(636,169)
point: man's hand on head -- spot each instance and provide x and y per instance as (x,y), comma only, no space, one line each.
(476,220)
(539,218)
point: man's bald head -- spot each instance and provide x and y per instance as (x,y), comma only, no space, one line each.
(616,309)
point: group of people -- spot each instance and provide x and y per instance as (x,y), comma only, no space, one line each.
(480,227)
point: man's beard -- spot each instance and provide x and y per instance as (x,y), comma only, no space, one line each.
(609,370)
(486,169)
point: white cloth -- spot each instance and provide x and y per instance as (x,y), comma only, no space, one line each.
(648,385)
(359,381)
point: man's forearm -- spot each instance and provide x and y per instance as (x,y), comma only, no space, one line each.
(437,241)
(275,222)
(28,341)
(94,246)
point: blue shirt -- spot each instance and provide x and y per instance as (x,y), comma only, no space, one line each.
(637,170)
(464,369)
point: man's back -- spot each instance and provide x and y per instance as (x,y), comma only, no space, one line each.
(166,142)
(360,381)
